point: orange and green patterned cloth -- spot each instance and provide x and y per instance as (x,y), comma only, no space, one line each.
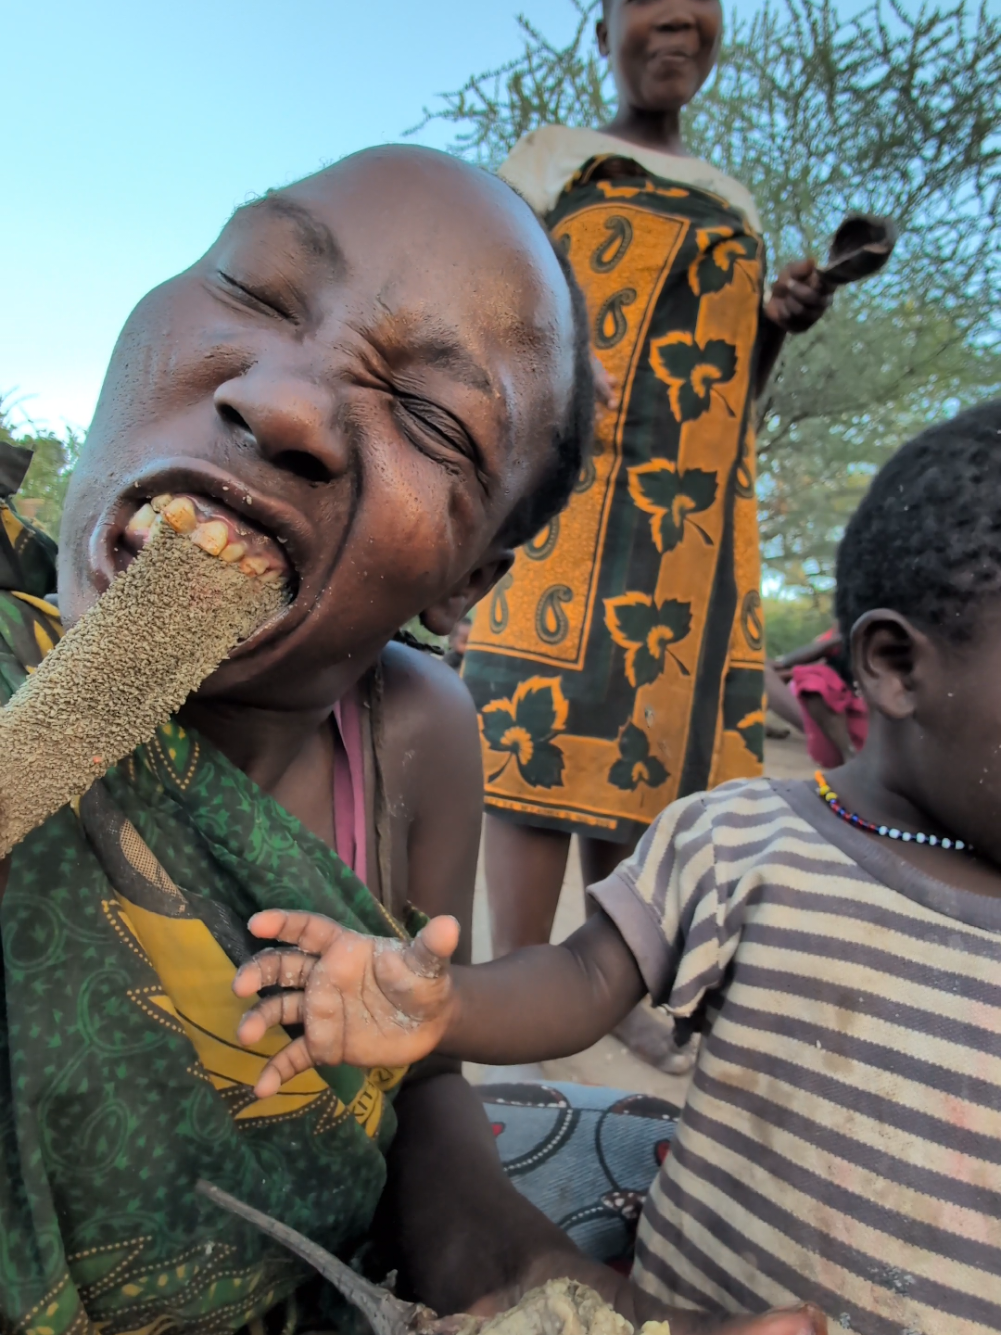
(121,1079)
(620,663)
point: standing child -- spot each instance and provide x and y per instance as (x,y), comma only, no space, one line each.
(841,1142)
(619,664)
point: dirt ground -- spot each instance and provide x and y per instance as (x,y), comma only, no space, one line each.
(609,1062)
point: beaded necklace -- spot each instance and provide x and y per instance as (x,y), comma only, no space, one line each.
(827,794)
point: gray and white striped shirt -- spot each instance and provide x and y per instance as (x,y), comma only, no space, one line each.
(841,1142)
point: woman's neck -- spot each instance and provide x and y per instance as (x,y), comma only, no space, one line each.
(659,130)
(264,743)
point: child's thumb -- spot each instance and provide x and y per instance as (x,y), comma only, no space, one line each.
(433,947)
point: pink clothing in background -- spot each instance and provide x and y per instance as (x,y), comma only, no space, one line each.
(821,679)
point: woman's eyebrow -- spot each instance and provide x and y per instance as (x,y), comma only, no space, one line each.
(447,353)
(315,237)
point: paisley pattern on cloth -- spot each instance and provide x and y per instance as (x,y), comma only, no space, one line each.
(121,1078)
(619,664)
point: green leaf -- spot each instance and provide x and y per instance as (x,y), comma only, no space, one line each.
(646,668)
(680,359)
(495,724)
(754,739)
(545,769)
(658,486)
(676,617)
(717,352)
(700,488)
(713,276)
(536,713)
(621,776)
(636,620)
(633,743)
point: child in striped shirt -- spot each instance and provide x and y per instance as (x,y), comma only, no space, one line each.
(839,943)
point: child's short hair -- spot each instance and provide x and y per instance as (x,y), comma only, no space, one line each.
(926,540)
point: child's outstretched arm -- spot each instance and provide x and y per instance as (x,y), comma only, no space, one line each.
(369,1001)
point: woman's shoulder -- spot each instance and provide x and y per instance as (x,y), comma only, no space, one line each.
(545,159)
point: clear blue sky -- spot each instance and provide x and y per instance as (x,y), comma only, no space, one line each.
(130,131)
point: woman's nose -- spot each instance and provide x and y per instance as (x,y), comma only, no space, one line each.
(293,423)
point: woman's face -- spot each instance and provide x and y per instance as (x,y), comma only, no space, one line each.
(368,367)
(661,51)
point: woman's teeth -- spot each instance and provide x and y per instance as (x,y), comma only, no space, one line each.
(214,530)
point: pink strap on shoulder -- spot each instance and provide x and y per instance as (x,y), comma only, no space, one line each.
(350,825)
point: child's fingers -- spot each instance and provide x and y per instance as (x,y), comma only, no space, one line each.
(286,1008)
(283,1067)
(433,947)
(805,1320)
(273,968)
(311,932)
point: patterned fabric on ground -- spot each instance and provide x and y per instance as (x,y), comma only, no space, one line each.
(841,1141)
(121,1078)
(585,1156)
(620,662)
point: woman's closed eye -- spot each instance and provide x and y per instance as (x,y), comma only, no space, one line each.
(255,296)
(435,431)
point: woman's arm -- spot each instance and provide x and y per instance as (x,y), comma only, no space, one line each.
(798,299)
(781,699)
(824,646)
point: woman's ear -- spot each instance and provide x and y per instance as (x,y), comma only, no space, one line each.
(601,33)
(442,615)
(890,659)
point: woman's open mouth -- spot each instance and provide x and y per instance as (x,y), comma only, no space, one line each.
(263,536)
(211,526)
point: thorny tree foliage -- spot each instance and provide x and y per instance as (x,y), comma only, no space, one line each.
(896,111)
(545,85)
(44,489)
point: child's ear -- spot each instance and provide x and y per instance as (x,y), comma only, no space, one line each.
(601,32)
(890,656)
(441,616)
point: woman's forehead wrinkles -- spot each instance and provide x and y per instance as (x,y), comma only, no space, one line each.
(418,337)
(312,233)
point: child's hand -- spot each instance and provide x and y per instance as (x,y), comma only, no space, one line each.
(799,297)
(605,388)
(363,1000)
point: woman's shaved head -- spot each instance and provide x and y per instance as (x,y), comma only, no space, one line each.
(384,367)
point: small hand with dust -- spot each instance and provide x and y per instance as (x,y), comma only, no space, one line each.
(606,389)
(363,1000)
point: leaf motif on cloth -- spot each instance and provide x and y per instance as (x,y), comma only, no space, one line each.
(671,497)
(719,251)
(612,191)
(752,732)
(692,371)
(635,764)
(525,726)
(646,631)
